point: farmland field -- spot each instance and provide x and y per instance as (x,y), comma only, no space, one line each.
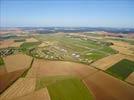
(19,40)
(41,68)
(6,43)
(130,78)
(107,62)
(27,45)
(48,80)
(2,70)
(41,94)
(21,87)
(123,47)
(7,79)
(55,68)
(70,89)
(16,44)
(106,87)
(31,40)
(121,69)
(23,62)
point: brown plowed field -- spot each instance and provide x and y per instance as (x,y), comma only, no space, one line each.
(21,87)
(107,62)
(37,95)
(2,70)
(6,43)
(17,62)
(106,87)
(8,78)
(16,44)
(53,68)
(9,43)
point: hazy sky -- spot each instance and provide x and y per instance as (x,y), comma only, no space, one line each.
(92,13)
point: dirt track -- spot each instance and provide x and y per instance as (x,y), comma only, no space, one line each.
(106,87)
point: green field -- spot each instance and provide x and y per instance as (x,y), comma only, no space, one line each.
(70,89)
(48,80)
(27,46)
(121,69)
(1,61)
(64,88)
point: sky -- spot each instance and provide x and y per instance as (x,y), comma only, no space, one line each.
(67,13)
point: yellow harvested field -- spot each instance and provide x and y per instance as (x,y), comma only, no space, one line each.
(17,62)
(37,95)
(123,50)
(51,68)
(31,40)
(123,47)
(119,43)
(129,57)
(106,87)
(107,62)
(46,43)
(21,87)
(122,44)
(43,44)
(130,78)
